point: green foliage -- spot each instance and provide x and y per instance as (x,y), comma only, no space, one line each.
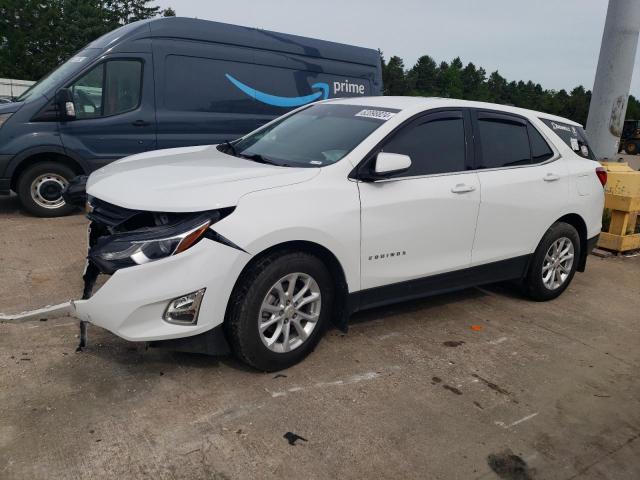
(428,79)
(38,35)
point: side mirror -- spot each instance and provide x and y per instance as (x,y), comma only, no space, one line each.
(387,164)
(66,107)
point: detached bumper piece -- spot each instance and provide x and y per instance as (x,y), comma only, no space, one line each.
(76,191)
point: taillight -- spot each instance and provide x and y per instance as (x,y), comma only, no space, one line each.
(601,172)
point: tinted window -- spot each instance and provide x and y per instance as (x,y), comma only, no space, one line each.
(435,146)
(540,149)
(573,136)
(503,143)
(108,89)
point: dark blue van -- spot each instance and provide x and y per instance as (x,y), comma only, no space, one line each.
(164,83)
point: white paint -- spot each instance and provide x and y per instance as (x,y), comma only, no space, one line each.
(498,340)
(517,422)
(354,221)
(362,377)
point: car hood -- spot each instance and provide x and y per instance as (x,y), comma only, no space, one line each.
(187,179)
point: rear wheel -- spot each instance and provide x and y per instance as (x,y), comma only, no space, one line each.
(631,148)
(279,310)
(40,189)
(554,263)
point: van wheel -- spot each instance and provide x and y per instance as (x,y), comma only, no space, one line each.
(40,189)
(279,309)
(554,263)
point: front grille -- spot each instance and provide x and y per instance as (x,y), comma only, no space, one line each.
(109,215)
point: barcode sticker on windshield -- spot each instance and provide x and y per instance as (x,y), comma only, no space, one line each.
(377,114)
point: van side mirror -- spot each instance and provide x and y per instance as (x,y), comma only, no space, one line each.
(387,164)
(66,107)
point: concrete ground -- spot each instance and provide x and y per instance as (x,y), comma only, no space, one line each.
(480,384)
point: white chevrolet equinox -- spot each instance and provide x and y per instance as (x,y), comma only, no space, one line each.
(256,245)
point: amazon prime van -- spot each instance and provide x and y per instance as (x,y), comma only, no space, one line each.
(163,83)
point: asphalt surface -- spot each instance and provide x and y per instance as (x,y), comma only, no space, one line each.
(480,384)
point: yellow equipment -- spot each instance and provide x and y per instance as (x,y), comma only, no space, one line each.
(622,197)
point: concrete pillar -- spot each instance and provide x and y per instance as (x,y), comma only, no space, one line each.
(613,77)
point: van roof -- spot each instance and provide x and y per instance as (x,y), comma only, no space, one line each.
(192,29)
(409,103)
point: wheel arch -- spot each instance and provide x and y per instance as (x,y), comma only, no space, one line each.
(577,222)
(33,156)
(340,309)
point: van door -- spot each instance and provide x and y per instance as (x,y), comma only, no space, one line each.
(115,114)
(524,184)
(422,223)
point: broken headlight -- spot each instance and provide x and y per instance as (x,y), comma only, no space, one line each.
(147,244)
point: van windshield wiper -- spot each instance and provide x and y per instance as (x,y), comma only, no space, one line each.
(256,157)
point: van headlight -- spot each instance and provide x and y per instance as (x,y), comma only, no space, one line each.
(4,117)
(148,244)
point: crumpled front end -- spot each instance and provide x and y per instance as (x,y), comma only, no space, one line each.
(169,274)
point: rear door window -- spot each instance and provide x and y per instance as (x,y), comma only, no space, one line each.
(435,144)
(573,136)
(540,149)
(504,141)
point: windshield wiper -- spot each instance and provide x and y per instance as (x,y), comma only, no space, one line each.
(256,157)
(230,146)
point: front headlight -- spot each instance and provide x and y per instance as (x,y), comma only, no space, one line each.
(4,117)
(145,245)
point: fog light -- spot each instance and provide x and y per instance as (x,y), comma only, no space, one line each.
(184,310)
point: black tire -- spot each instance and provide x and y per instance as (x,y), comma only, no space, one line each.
(28,198)
(534,286)
(631,148)
(244,309)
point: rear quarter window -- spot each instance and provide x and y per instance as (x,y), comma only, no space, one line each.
(573,136)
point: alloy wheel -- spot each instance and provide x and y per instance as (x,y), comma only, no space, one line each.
(557,263)
(289,312)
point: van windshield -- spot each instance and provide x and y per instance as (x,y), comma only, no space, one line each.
(319,135)
(66,70)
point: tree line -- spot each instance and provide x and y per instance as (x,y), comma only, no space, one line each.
(38,35)
(456,80)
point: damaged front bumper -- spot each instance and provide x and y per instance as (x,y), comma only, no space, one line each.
(133,302)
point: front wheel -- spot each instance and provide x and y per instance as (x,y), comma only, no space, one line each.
(40,189)
(554,263)
(279,310)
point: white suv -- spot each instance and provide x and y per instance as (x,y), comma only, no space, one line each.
(338,206)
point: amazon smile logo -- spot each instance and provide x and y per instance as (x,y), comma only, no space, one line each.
(277,101)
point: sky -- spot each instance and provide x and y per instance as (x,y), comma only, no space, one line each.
(551,42)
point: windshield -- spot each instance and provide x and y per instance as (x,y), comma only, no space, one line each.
(319,135)
(66,70)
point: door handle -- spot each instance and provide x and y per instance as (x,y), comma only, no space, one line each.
(551,177)
(140,123)
(462,188)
